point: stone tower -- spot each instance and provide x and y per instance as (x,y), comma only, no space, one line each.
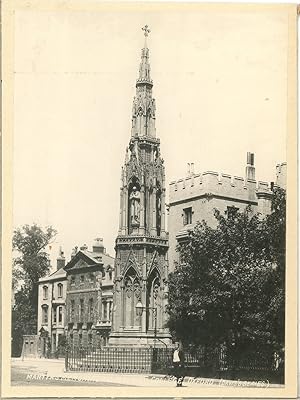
(141,264)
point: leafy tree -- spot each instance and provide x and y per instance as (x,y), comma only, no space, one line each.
(31,262)
(275,226)
(229,284)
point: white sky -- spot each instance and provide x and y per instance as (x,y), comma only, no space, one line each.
(220,83)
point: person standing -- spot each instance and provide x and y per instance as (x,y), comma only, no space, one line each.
(178,364)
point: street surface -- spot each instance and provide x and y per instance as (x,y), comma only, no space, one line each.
(45,372)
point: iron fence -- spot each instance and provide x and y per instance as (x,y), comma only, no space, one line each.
(205,362)
(109,359)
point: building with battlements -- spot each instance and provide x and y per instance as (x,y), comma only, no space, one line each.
(195,197)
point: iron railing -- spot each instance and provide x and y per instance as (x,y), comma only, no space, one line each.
(207,362)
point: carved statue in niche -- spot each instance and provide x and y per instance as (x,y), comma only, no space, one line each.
(135,198)
(158,212)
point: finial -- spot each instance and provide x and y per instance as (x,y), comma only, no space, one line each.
(146,33)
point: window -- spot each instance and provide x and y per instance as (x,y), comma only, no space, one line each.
(110,274)
(81,309)
(60,315)
(92,277)
(187,216)
(45,292)
(103,274)
(91,309)
(81,279)
(45,315)
(72,280)
(90,339)
(104,305)
(54,315)
(60,290)
(72,309)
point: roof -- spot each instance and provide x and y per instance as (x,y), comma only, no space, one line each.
(58,274)
(91,258)
(99,257)
(95,258)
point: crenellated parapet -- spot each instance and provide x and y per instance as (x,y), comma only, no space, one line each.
(216,184)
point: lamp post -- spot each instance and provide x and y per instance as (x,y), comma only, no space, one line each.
(139,311)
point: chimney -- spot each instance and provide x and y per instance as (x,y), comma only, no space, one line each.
(281,175)
(250,169)
(98,246)
(60,261)
(84,247)
(74,252)
(188,169)
(192,168)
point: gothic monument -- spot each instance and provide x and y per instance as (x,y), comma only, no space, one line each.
(141,264)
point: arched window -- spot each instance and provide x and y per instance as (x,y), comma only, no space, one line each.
(154,301)
(60,290)
(45,292)
(131,296)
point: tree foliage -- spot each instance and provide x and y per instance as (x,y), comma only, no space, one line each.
(31,262)
(229,284)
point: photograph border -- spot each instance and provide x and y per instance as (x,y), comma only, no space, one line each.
(290,388)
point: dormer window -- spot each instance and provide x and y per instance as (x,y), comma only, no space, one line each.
(45,292)
(72,280)
(81,279)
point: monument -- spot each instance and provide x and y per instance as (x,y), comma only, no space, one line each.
(141,264)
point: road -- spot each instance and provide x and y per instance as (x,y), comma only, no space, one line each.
(37,374)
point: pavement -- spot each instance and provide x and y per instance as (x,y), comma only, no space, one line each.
(43,372)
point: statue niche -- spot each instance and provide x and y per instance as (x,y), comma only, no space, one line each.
(134,205)
(158,211)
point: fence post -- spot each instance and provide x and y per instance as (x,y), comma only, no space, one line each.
(66,359)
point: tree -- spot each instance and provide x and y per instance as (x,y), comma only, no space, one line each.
(275,226)
(229,285)
(31,262)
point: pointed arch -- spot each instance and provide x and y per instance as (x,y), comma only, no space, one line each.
(131,263)
(154,299)
(131,295)
(154,264)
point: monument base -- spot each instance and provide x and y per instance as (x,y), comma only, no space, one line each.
(140,339)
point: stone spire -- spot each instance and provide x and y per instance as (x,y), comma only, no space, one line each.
(141,263)
(144,73)
(143,110)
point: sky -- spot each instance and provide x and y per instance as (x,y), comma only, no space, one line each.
(220,82)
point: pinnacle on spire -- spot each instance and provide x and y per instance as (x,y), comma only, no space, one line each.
(144,72)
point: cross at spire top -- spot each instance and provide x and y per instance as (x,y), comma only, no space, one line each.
(146,30)
(146,33)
